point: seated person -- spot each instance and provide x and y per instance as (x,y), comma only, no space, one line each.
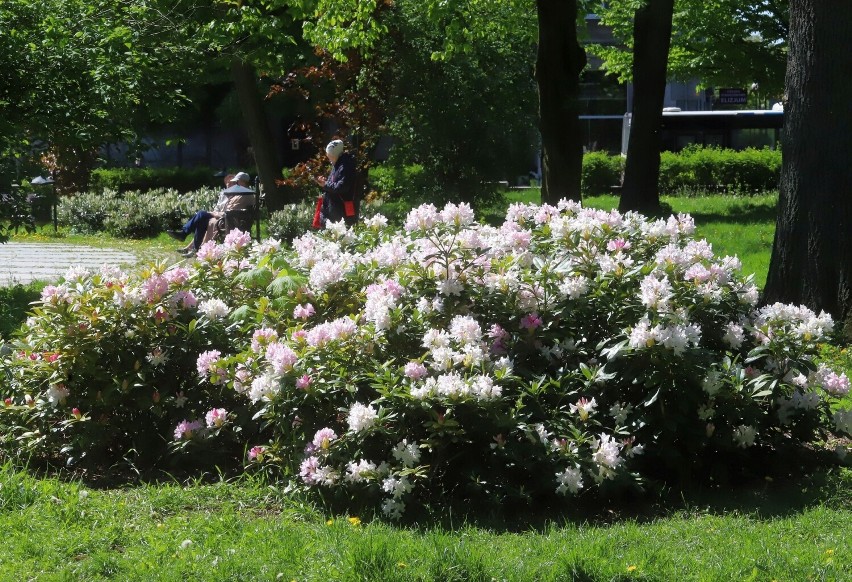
(236,196)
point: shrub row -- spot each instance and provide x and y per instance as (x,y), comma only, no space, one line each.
(128,179)
(131,214)
(693,170)
(698,169)
(568,350)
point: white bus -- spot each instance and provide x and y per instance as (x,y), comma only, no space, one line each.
(735,129)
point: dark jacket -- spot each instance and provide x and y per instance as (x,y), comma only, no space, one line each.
(340,188)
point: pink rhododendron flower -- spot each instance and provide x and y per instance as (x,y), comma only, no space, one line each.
(210,252)
(207,361)
(530,321)
(323,438)
(308,471)
(53,294)
(177,275)
(185,429)
(584,407)
(185,299)
(280,357)
(237,239)
(256,453)
(303,311)
(154,288)
(415,370)
(617,245)
(216,417)
(421,218)
(262,338)
(304,382)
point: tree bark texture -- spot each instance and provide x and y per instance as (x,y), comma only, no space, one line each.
(559,61)
(811,260)
(652,33)
(260,135)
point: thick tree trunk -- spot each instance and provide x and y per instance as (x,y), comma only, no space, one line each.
(652,33)
(260,136)
(812,255)
(559,61)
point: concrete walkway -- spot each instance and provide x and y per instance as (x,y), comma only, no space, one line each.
(23,262)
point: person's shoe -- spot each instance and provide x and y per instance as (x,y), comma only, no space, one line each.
(188,253)
(176,234)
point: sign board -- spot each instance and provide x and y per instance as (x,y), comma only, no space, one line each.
(732,97)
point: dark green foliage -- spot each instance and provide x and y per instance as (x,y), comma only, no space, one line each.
(14,303)
(132,214)
(467,118)
(697,169)
(292,221)
(601,172)
(126,179)
(15,213)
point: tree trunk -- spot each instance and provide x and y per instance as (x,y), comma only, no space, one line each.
(811,260)
(260,135)
(652,33)
(559,61)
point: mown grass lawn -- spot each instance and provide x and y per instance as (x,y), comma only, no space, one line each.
(246,531)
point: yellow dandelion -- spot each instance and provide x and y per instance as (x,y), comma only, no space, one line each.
(631,568)
(329,522)
(354,521)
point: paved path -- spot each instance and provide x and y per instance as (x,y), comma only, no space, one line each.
(23,262)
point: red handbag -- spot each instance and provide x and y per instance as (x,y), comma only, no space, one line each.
(318,214)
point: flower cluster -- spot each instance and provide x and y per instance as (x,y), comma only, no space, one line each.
(564,350)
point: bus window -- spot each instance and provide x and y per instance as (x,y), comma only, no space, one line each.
(715,140)
(754,138)
(683,140)
(737,129)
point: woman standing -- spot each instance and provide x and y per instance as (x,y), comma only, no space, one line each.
(340,199)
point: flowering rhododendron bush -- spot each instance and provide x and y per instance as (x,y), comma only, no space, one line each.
(567,350)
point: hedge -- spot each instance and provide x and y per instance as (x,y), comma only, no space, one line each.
(127,179)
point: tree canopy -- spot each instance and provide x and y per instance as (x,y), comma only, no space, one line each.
(723,43)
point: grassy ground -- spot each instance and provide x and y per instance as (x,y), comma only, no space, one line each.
(245,531)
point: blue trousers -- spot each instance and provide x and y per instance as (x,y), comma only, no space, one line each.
(197,226)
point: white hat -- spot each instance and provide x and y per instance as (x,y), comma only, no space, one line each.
(334,148)
(239,176)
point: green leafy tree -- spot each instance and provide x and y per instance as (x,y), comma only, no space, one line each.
(77,74)
(723,43)
(731,43)
(465,116)
(549,24)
